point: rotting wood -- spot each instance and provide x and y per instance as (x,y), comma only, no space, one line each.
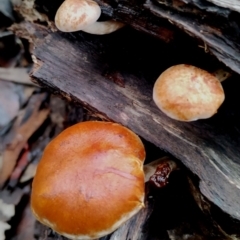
(205,22)
(213,23)
(136,13)
(209,148)
(17,75)
(216,37)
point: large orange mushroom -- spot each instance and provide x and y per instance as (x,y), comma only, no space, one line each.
(90,180)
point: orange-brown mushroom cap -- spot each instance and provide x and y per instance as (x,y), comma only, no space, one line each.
(187,93)
(90,180)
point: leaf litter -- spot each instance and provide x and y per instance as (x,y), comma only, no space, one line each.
(29,118)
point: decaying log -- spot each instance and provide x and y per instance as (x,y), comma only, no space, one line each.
(215,26)
(213,23)
(220,36)
(113,75)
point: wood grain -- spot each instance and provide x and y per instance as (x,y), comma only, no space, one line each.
(79,70)
(233,4)
(213,23)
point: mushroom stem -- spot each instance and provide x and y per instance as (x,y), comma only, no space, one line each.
(221,74)
(158,171)
(76,15)
(106,27)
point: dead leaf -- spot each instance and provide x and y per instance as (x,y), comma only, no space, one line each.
(26,94)
(17,75)
(9,103)
(6,34)
(1,160)
(1,153)
(7,211)
(14,196)
(20,167)
(58,112)
(29,172)
(33,118)
(3,227)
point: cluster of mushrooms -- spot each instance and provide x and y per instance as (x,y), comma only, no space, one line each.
(91,178)
(182,92)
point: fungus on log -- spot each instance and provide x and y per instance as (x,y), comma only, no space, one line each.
(114,75)
(209,148)
(215,26)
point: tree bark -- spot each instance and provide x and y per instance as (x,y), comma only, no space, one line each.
(213,23)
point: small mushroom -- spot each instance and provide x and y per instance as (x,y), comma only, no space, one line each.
(76,15)
(187,93)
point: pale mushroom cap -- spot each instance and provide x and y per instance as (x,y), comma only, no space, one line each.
(90,180)
(74,15)
(187,93)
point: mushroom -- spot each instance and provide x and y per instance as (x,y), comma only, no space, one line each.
(76,15)
(101,28)
(90,180)
(187,93)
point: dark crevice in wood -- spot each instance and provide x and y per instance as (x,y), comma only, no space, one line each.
(221,38)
